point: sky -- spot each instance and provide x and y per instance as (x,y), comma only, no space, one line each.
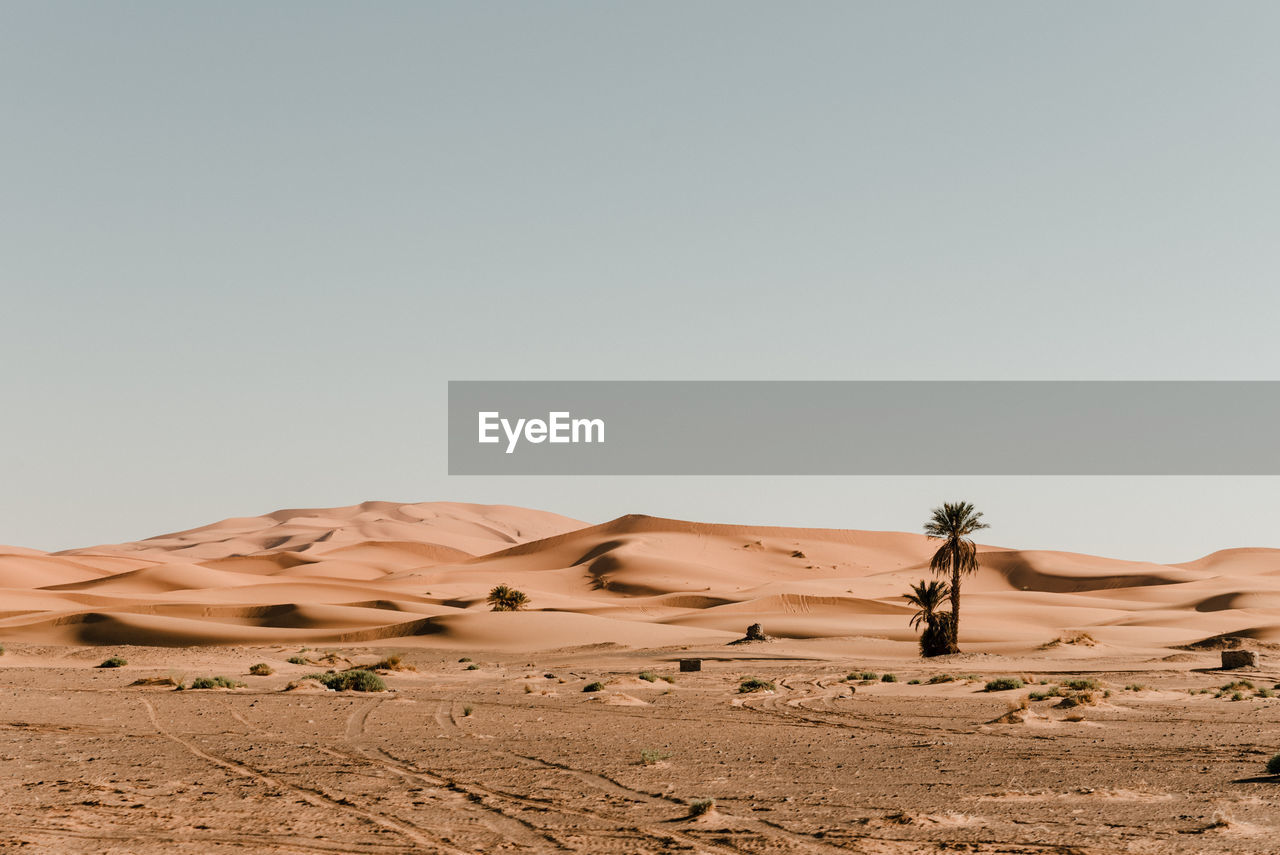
(245,246)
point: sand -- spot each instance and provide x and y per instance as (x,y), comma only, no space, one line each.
(503,757)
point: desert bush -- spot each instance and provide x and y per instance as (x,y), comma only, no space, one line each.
(1,649)
(1237,696)
(350,681)
(465,659)
(648,676)
(504,598)
(390,663)
(866,675)
(113,662)
(701,807)
(1003,684)
(154,681)
(651,756)
(914,682)
(889,678)
(472,667)
(1273,765)
(754,684)
(262,669)
(1080,684)
(1265,693)
(594,687)
(298,660)
(1078,699)
(1236,685)
(1135,687)
(466,712)
(215,683)
(940,678)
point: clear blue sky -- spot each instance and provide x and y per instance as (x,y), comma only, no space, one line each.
(243,246)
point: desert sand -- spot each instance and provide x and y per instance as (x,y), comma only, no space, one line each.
(488,742)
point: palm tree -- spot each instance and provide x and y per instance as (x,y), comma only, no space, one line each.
(958,556)
(507,599)
(928,597)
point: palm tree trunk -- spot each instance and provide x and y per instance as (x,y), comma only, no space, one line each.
(955,603)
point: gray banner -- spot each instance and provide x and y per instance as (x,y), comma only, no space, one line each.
(864,428)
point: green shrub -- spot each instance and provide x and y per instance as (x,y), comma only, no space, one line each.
(1273,765)
(262,669)
(465,659)
(648,676)
(889,678)
(651,756)
(473,667)
(215,683)
(914,682)
(754,684)
(1237,696)
(507,599)
(701,807)
(1080,684)
(1135,687)
(868,675)
(298,660)
(1003,684)
(593,687)
(940,678)
(113,662)
(350,681)
(1265,693)
(1236,685)
(466,711)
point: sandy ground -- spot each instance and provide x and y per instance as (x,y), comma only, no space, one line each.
(513,756)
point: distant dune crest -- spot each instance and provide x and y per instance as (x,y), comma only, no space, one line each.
(420,573)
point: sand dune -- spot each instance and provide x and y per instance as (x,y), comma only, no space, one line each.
(420,573)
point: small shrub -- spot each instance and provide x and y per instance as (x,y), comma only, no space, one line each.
(1237,696)
(1273,765)
(465,659)
(868,675)
(298,660)
(1265,693)
(594,687)
(473,667)
(390,663)
(1003,684)
(466,712)
(504,598)
(350,681)
(1,649)
(215,683)
(701,807)
(648,676)
(754,684)
(889,678)
(262,669)
(940,678)
(914,682)
(1135,687)
(652,757)
(154,681)
(1080,684)
(113,662)
(1236,685)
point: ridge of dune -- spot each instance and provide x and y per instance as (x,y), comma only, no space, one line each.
(420,573)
